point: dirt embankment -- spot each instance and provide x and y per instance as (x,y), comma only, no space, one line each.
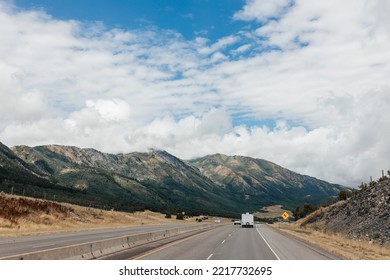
(356,228)
(24,216)
(364,216)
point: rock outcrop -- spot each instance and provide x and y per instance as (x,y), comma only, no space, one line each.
(365,215)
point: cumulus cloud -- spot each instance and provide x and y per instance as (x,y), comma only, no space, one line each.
(217,46)
(110,110)
(263,10)
(317,69)
(340,155)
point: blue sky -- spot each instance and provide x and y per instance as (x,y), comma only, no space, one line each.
(212,18)
(301,83)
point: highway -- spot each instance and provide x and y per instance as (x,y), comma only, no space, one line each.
(226,242)
(10,246)
(229,243)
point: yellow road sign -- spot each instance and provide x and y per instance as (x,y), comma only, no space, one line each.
(285,215)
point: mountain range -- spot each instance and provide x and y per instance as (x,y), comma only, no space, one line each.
(156,180)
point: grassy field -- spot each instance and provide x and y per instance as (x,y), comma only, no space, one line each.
(338,244)
(25,216)
(274,211)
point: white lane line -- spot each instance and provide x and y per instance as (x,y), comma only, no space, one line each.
(209,257)
(223,241)
(257,228)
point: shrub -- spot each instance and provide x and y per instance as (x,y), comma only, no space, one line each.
(180,216)
(343,195)
(303,211)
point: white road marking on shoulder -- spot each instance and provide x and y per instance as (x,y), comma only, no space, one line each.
(257,228)
(209,257)
(223,241)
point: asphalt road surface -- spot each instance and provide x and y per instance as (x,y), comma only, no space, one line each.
(19,245)
(227,242)
(235,243)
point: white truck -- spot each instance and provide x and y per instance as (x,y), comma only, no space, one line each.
(247,220)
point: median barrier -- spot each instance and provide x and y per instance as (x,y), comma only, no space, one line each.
(108,246)
(81,251)
(96,249)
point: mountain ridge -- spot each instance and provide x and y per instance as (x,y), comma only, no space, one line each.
(158,180)
(259,176)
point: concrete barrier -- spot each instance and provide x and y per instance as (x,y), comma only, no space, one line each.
(109,246)
(81,251)
(96,249)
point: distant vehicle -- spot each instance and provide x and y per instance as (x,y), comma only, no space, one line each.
(237,222)
(247,220)
(217,221)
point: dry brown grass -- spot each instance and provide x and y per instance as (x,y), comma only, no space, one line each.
(274,211)
(338,244)
(26,216)
(13,208)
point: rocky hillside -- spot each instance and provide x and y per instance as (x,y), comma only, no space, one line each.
(249,179)
(156,180)
(365,215)
(160,181)
(35,179)
(14,171)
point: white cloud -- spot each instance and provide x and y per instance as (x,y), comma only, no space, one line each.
(111,110)
(340,155)
(217,46)
(262,10)
(242,48)
(320,72)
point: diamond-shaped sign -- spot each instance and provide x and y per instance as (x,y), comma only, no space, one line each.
(285,215)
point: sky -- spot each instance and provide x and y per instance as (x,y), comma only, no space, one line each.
(301,83)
